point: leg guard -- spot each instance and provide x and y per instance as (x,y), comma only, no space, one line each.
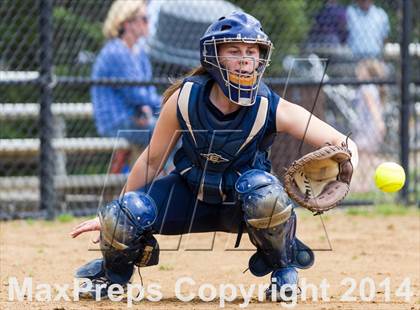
(271,224)
(277,247)
(119,264)
(126,239)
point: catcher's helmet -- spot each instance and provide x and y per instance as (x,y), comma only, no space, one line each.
(236,27)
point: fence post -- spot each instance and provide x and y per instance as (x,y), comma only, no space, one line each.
(47,157)
(405,95)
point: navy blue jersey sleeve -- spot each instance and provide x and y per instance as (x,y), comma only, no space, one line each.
(274,101)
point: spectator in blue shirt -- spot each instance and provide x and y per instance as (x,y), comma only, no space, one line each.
(330,26)
(126,108)
(368,27)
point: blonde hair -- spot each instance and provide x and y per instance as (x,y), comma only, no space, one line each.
(120,12)
(177,83)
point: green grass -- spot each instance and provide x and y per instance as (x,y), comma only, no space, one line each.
(306,214)
(389,209)
(166,268)
(364,211)
(380,209)
(383,210)
(65,218)
(362,196)
(60,219)
(30,221)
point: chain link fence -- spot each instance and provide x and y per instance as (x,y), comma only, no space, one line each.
(330,56)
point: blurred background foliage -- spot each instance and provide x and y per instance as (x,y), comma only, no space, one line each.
(77,38)
(78,35)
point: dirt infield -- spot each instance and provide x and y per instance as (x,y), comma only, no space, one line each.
(369,248)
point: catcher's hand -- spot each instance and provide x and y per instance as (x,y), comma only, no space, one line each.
(90,225)
(320,180)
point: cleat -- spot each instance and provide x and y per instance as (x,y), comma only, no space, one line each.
(284,276)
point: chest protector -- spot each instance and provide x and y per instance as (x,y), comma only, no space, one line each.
(214,153)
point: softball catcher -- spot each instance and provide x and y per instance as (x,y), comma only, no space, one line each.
(226,118)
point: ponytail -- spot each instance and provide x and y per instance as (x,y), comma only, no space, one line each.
(177,83)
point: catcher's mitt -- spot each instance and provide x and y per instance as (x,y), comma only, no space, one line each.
(320,180)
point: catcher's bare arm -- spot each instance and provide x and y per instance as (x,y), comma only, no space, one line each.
(293,119)
(151,161)
(154,157)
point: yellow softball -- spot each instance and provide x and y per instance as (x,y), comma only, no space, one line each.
(389,177)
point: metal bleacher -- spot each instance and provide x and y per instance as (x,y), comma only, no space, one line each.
(23,191)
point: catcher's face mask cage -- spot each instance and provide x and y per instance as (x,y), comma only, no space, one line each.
(239,86)
(124,222)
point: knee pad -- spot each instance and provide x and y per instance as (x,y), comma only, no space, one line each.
(271,224)
(126,235)
(125,221)
(264,200)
